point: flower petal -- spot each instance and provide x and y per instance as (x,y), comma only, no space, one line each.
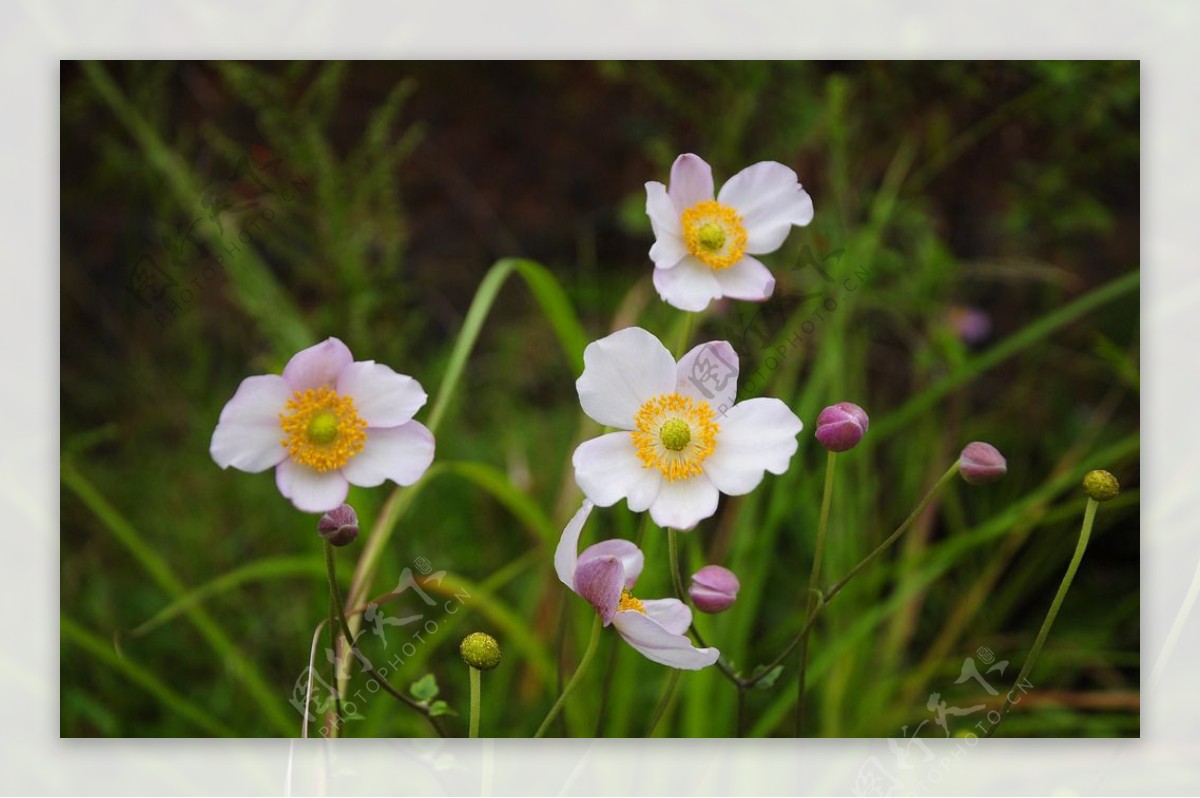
(668,251)
(709,373)
(248,434)
(691,182)
(621,372)
(600,580)
(382,397)
(607,469)
(631,557)
(401,454)
(310,490)
(756,435)
(664,219)
(659,645)
(690,285)
(770,200)
(685,502)
(318,365)
(671,614)
(566,555)
(747,279)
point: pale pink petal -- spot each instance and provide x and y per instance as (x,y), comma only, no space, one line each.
(691,182)
(599,581)
(620,373)
(310,490)
(671,614)
(668,251)
(664,219)
(401,454)
(248,436)
(659,645)
(318,366)
(747,279)
(709,374)
(689,286)
(770,200)
(567,554)
(381,397)
(631,557)
(685,502)
(756,435)
(607,469)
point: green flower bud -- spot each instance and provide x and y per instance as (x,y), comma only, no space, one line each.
(1101,485)
(480,651)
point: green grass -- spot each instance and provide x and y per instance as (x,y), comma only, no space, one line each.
(190,595)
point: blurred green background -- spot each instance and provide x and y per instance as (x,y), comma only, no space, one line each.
(369,200)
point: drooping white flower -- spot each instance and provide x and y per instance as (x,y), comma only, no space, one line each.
(683,440)
(604,574)
(703,246)
(327,422)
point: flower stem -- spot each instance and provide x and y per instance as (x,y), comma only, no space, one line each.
(685,335)
(1089,517)
(828,595)
(336,593)
(814,584)
(574,682)
(673,556)
(665,701)
(475,690)
(336,722)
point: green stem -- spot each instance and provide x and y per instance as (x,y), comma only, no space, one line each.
(475,690)
(571,685)
(828,595)
(664,702)
(338,722)
(344,625)
(813,584)
(673,556)
(685,335)
(1089,517)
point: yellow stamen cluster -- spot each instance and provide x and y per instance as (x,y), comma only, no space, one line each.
(323,430)
(675,434)
(629,602)
(714,233)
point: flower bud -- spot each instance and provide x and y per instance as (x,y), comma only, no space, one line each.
(840,427)
(1101,485)
(714,589)
(981,463)
(340,526)
(480,651)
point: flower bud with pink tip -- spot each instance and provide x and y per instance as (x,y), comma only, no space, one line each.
(339,526)
(714,589)
(981,463)
(840,427)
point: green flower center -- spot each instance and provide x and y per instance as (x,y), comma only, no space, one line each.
(675,434)
(711,236)
(323,427)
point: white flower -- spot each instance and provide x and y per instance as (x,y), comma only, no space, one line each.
(703,247)
(323,424)
(604,574)
(683,440)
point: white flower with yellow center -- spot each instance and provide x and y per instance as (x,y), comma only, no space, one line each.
(704,247)
(683,441)
(327,422)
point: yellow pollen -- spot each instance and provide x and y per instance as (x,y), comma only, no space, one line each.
(628,602)
(714,233)
(322,430)
(675,434)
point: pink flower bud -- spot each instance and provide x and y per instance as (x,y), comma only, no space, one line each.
(840,427)
(981,463)
(340,526)
(714,589)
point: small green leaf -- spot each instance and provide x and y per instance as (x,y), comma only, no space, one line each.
(425,688)
(441,708)
(768,681)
